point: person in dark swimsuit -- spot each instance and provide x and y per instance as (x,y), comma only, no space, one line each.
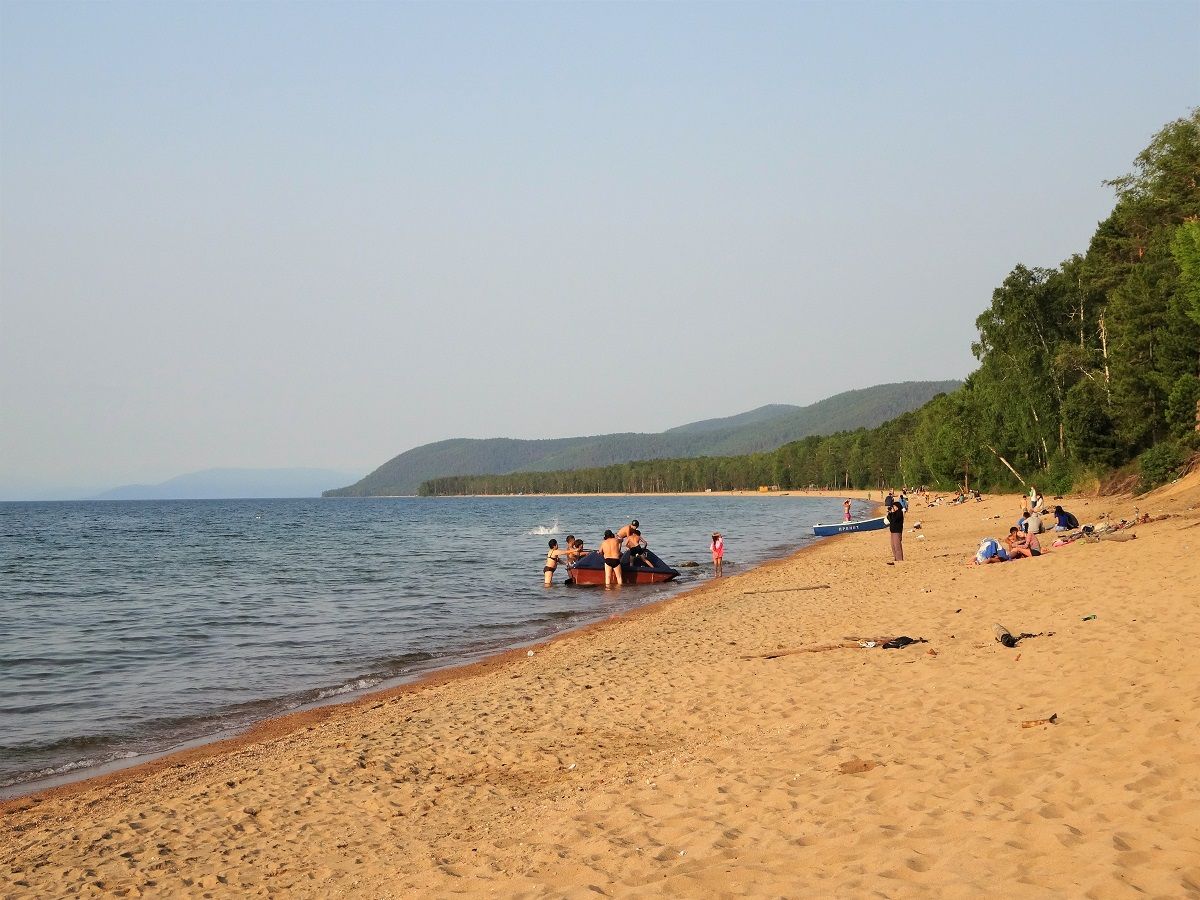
(552,556)
(636,545)
(610,549)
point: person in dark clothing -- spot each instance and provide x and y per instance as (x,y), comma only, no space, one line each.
(895,521)
(1063,520)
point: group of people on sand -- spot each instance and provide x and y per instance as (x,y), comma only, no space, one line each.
(1022,541)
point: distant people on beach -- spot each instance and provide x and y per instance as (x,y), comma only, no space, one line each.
(1033,523)
(846,507)
(1063,520)
(895,523)
(552,557)
(610,549)
(718,551)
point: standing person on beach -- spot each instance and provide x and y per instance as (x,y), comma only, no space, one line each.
(846,506)
(718,551)
(895,521)
(610,549)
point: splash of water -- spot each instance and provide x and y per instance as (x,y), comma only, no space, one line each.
(546,529)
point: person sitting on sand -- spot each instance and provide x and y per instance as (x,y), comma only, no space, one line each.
(1015,542)
(1063,520)
(1031,543)
(1033,523)
(989,552)
(718,550)
(610,549)
(552,557)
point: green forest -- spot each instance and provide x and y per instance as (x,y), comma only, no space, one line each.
(1089,374)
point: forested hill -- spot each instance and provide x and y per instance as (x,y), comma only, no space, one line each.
(758,430)
(1086,370)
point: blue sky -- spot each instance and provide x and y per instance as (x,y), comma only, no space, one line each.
(274,234)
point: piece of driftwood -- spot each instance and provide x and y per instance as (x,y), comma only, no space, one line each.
(1034,723)
(806,587)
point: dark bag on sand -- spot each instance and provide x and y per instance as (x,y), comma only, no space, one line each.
(902,641)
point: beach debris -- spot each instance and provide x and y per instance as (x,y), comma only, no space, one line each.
(902,641)
(690,564)
(571,767)
(1034,723)
(933,652)
(920,537)
(1008,639)
(805,587)
(1089,618)
(857,766)
(846,643)
(530,653)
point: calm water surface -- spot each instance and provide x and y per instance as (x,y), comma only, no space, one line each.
(127,628)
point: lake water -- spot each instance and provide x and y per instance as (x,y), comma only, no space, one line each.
(127,628)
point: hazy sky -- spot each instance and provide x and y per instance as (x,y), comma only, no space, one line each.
(277,234)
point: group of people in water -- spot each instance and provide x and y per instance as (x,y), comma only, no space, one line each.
(628,539)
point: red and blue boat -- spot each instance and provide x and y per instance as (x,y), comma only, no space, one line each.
(590,569)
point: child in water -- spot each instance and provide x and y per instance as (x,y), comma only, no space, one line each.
(718,552)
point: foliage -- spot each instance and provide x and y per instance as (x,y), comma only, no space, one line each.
(1161,464)
(1083,367)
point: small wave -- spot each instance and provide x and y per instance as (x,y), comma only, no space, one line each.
(361,684)
(546,529)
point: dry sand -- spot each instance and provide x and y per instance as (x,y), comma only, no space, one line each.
(660,754)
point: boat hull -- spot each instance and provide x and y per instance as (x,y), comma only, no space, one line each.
(846,527)
(629,576)
(590,570)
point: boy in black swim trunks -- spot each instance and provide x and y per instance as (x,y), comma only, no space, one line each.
(610,549)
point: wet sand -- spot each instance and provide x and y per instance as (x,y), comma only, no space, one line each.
(664,753)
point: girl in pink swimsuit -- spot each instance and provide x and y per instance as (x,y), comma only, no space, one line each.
(718,552)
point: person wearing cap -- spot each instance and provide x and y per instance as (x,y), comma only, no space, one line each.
(895,522)
(718,552)
(625,530)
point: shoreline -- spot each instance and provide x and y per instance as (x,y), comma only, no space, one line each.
(272,727)
(723,741)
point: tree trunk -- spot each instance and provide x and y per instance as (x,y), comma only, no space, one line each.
(1006,465)
(1104,350)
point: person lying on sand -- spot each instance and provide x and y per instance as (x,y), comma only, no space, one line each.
(989,552)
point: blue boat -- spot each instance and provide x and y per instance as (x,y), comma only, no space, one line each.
(842,527)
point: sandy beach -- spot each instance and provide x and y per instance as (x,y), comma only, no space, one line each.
(677,751)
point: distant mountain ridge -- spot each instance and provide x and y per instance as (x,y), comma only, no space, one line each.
(765,428)
(232,484)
